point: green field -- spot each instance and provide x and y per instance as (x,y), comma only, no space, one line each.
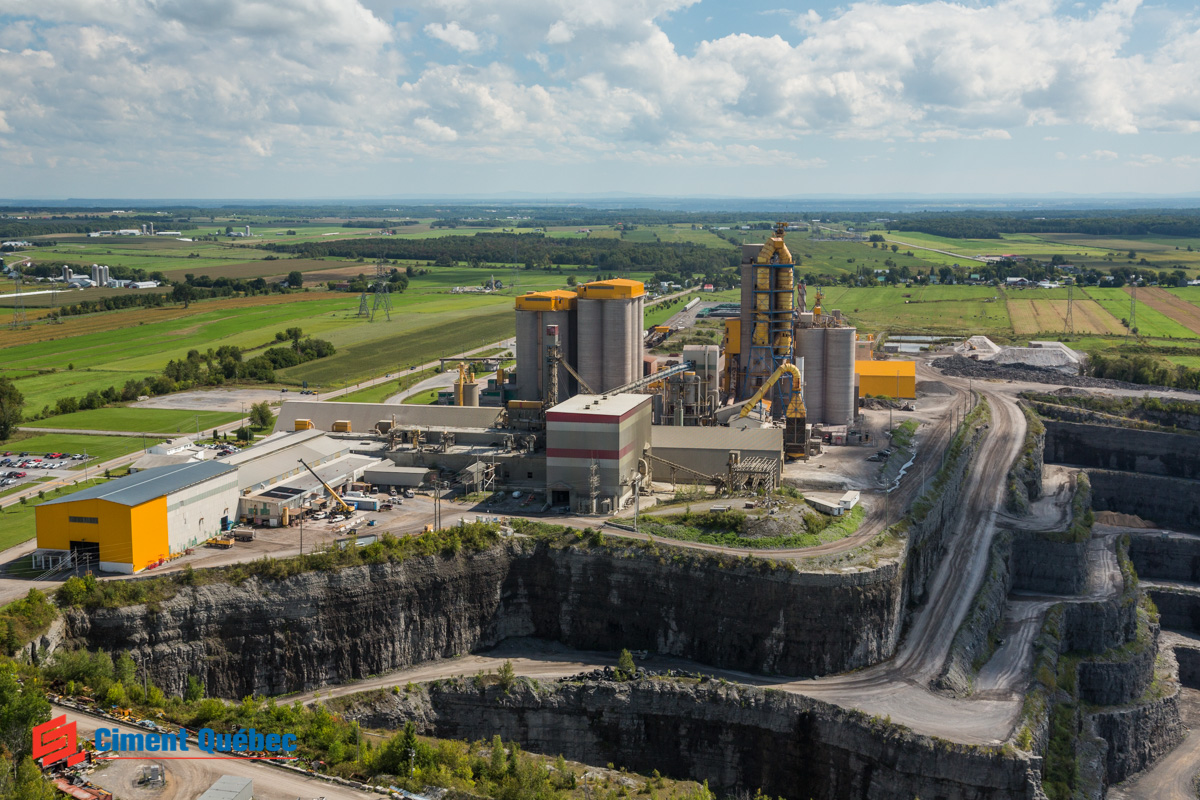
(425,398)
(931,309)
(101,448)
(140,420)
(424,337)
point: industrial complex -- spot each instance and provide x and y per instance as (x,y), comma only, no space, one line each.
(586,420)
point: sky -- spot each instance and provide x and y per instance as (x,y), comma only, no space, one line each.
(369,98)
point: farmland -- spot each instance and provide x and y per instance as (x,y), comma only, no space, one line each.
(931,309)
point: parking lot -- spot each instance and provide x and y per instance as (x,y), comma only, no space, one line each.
(17,467)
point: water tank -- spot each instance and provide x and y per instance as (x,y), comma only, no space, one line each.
(812,350)
(529,353)
(839,376)
(590,342)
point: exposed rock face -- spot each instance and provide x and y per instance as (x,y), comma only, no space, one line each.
(736,737)
(1166,557)
(1126,449)
(1179,609)
(1118,681)
(1045,564)
(1138,735)
(324,627)
(1170,502)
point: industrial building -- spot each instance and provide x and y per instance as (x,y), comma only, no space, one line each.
(886,379)
(131,523)
(274,485)
(593,446)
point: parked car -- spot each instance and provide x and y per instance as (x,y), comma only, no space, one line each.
(409,493)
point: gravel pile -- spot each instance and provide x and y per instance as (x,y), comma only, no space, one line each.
(961,367)
(610,674)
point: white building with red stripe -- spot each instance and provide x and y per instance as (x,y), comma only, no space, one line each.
(606,432)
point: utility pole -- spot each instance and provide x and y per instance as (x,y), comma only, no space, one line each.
(1070,307)
(1133,326)
(302,534)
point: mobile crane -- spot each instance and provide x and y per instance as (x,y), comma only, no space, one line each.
(345,506)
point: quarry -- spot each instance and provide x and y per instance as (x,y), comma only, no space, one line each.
(982,586)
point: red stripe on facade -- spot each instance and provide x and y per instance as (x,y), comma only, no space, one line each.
(599,455)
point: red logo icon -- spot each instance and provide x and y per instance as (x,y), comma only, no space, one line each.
(55,740)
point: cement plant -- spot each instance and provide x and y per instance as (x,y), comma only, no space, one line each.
(746,550)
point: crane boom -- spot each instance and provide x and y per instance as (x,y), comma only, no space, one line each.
(328,488)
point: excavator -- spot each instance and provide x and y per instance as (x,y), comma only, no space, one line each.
(345,506)
(794,431)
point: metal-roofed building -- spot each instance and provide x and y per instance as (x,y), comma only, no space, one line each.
(130,523)
(707,449)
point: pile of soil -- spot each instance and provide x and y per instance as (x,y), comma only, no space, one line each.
(962,367)
(1118,520)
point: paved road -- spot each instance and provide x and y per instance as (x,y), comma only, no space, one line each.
(188,779)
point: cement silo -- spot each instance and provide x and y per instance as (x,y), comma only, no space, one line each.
(610,333)
(534,312)
(839,376)
(811,348)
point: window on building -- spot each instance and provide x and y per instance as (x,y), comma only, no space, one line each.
(86,520)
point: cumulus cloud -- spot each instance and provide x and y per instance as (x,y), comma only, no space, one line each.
(560,80)
(453,34)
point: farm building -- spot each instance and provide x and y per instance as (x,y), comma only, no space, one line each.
(130,523)
(886,378)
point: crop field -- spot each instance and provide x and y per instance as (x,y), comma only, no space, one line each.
(933,309)
(1149,321)
(426,339)
(1172,306)
(101,448)
(140,420)
(1045,311)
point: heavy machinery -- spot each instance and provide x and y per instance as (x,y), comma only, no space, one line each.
(794,431)
(345,506)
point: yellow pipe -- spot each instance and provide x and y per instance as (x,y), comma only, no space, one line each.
(795,406)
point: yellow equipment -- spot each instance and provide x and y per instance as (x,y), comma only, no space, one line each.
(345,506)
(795,416)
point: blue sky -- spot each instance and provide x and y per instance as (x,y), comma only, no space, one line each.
(356,98)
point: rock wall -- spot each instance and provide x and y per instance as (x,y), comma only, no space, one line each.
(1168,502)
(1048,565)
(736,737)
(1178,608)
(1122,678)
(1166,556)
(267,638)
(1174,455)
(1025,477)
(1138,735)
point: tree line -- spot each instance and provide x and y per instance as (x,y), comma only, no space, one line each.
(1143,370)
(608,254)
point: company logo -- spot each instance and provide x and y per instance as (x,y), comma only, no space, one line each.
(55,740)
(244,743)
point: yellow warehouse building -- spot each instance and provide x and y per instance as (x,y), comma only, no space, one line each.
(886,378)
(130,523)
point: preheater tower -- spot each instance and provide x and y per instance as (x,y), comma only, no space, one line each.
(767,319)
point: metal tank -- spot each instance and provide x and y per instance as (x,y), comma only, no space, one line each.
(591,342)
(529,355)
(839,376)
(812,350)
